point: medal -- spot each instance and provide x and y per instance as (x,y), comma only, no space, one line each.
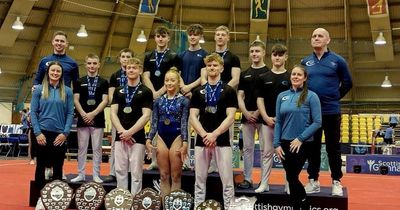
(91,90)
(127,109)
(159,60)
(167,121)
(211,109)
(91,102)
(129,98)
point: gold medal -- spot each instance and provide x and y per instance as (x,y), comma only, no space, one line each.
(167,121)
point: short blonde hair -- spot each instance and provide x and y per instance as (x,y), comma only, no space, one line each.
(222,28)
(214,57)
(135,61)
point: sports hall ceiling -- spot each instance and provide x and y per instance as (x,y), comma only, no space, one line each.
(114,24)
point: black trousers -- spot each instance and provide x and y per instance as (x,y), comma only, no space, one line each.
(331,128)
(293,165)
(49,155)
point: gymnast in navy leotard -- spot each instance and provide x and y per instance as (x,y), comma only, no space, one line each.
(169,124)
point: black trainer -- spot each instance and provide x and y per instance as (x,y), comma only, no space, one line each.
(109,179)
(245,185)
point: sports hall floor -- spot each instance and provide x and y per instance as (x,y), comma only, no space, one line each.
(366,192)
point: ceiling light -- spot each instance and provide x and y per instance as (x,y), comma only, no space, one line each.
(202,41)
(82,32)
(386,83)
(142,37)
(18,25)
(380,40)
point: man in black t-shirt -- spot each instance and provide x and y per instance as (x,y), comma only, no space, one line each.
(117,79)
(158,62)
(130,111)
(90,99)
(269,85)
(231,73)
(212,112)
(247,98)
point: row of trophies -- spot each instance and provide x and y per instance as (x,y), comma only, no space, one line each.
(57,195)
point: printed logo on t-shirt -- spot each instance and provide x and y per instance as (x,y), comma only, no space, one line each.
(285,83)
(247,76)
(310,63)
(198,55)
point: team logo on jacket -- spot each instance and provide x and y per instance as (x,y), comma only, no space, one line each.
(284,98)
(334,64)
(310,63)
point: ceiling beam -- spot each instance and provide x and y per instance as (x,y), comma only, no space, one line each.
(348,38)
(378,12)
(20,9)
(111,28)
(177,12)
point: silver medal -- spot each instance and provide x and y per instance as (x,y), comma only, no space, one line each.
(127,109)
(157,73)
(91,102)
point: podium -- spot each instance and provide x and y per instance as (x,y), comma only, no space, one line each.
(276,198)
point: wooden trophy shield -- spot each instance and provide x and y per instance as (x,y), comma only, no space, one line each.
(209,204)
(89,196)
(119,198)
(147,199)
(243,203)
(178,200)
(56,195)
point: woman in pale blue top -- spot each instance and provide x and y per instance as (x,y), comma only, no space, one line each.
(298,117)
(52,111)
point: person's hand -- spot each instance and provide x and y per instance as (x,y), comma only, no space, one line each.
(41,139)
(185,89)
(210,140)
(295,145)
(125,136)
(280,153)
(149,149)
(270,121)
(60,139)
(250,117)
(183,151)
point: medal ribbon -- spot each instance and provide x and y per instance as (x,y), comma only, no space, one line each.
(122,78)
(222,54)
(159,60)
(129,97)
(212,95)
(168,105)
(92,86)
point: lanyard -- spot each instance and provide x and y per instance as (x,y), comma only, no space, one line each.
(122,78)
(92,86)
(129,97)
(222,54)
(212,95)
(168,104)
(159,60)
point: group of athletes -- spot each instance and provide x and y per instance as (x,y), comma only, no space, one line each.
(288,109)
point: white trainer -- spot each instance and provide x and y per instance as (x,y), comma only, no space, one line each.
(287,189)
(39,205)
(337,188)
(312,186)
(97,179)
(79,178)
(153,166)
(262,188)
(47,173)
